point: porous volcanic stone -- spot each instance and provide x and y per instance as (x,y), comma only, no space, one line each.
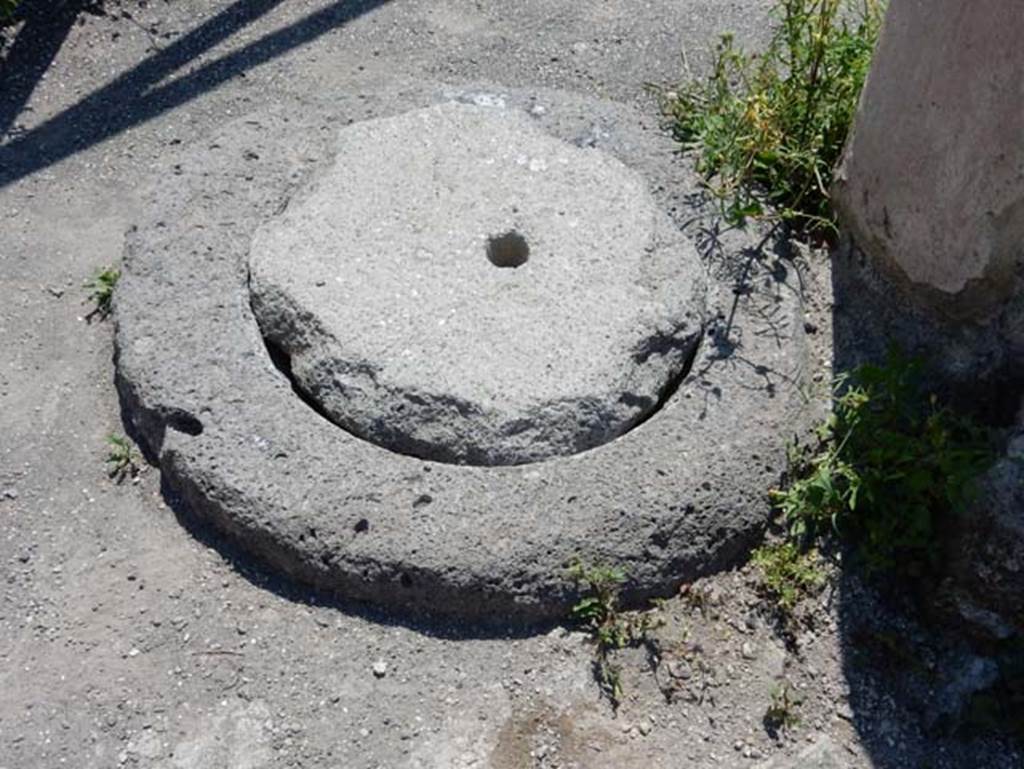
(680,495)
(462,286)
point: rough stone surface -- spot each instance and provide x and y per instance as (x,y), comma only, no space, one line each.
(822,753)
(932,184)
(986,564)
(678,496)
(385,284)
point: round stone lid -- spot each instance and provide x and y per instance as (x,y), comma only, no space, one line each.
(460,285)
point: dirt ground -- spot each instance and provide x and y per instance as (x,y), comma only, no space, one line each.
(129,638)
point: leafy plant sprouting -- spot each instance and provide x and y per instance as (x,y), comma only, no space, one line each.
(770,128)
(892,466)
(610,628)
(788,573)
(122,459)
(782,714)
(7,8)
(101,291)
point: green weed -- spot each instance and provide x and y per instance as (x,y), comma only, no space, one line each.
(770,128)
(789,574)
(891,468)
(101,291)
(782,714)
(7,8)
(611,629)
(122,459)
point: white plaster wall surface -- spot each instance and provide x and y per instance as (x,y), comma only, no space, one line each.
(932,184)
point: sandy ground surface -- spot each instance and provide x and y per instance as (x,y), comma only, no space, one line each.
(129,639)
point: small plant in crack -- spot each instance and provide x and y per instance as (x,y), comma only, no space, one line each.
(782,713)
(122,459)
(610,628)
(101,292)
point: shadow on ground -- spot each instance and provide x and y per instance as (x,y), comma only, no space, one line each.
(925,688)
(134,97)
(43,31)
(267,578)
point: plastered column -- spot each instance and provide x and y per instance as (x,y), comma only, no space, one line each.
(932,182)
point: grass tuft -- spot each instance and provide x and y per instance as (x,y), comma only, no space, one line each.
(768,129)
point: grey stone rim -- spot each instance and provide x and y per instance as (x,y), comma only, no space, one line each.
(679,496)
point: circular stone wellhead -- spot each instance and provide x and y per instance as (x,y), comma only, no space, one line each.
(430,358)
(378,283)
